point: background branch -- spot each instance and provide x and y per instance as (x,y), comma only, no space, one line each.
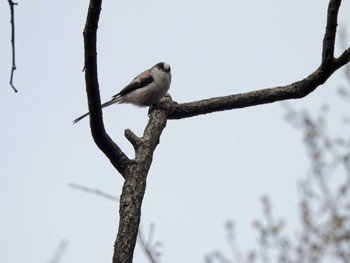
(61,249)
(148,247)
(93,191)
(13,68)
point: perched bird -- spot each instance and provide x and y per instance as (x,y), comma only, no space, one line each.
(144,90)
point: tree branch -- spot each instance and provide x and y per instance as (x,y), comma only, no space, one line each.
(331,30)
(134,188)
(117,157)
(295,90)
(13,68)
(132,138)
(135,171)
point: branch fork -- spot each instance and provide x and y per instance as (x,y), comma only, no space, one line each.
(135,171)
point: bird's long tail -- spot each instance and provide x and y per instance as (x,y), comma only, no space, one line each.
(106,104)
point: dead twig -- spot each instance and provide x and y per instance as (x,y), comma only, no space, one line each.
(13,68)
(94,191)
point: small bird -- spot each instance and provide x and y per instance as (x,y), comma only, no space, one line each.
(144,90)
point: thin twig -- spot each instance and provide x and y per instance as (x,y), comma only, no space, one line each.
(231,239)
(12,4)
(148,248)
(61,249)
(94,191)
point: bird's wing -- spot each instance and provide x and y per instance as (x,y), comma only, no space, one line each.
(140,81)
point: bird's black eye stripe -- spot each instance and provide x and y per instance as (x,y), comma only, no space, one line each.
(160,65)
(163,66)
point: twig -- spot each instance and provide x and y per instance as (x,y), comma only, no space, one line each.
(231,239)
(148,248)
(331,29)
(132,138)
(94,191)
(61,249)
(12,4)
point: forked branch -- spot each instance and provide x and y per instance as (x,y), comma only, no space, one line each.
(295,90)
(135,171)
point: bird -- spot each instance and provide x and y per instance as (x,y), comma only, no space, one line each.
(145,89)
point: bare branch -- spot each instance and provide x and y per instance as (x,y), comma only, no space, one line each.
(94,191)
(331,30)
(148,247)
(135,171)
(134,188)
(117,157)
(343,58)
(231,239)
(13,68)
(295,90)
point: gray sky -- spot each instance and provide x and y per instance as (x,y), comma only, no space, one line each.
(206,170)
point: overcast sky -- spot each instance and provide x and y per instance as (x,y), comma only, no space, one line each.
(207,170)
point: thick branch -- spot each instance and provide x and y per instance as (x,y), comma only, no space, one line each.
(135,171)
(101,138)
(295,90)
(134,188)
